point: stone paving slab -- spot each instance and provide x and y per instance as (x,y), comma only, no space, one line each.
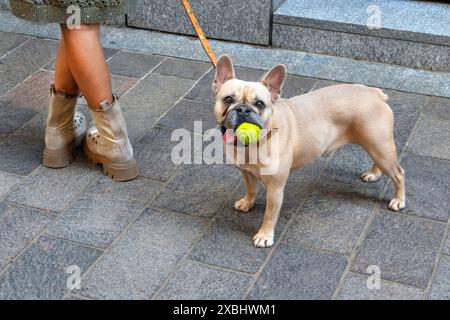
(40,273)
(52,189)
(180,68)
(427,187)
(355,288)
(141,189)
(139,262)
(441,285)
(198,190)
(8,182)
(407,108)
(195,281)
(446,249)
(153,153)
(403,247)
(204,204)
(228,243)
(13,117)
(347,165)
(20,154)
(192,178)
(95,219)
(10,41)
(333,218)
(17,67)
(299,273)
(295,86)
(149,100)
(431,137)
(21,104)
(18,227)
(133,64)
(32,94)
(185,112)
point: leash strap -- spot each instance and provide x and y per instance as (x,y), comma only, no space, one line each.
(200,33)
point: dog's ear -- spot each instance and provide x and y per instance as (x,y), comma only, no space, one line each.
(224,72)
(274,80)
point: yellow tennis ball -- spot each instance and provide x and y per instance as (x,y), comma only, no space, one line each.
(248,133)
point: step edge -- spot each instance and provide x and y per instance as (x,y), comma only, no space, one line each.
(328,25)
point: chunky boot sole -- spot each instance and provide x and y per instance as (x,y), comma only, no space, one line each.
(61,158)
(117,171)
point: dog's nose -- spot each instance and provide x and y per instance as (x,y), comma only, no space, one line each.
(243,110)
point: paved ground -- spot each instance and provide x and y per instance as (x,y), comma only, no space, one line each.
(172,233)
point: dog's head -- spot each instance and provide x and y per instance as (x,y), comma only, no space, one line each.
(240,101)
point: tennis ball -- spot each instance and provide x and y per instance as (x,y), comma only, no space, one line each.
(248,133)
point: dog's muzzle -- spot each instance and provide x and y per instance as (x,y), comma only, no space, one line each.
(241,114)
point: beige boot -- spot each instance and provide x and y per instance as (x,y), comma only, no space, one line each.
(65,129)
(108,144)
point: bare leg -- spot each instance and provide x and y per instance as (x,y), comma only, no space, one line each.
(64,81)
(265,235)
(251,183)
(86,61)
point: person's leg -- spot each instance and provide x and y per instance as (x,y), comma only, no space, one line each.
(64,80)
(65,128)
(107,143)
(86,61)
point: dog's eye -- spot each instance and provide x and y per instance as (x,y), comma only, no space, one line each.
(228,100)
(259,104)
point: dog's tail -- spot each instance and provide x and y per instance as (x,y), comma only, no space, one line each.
(382,95)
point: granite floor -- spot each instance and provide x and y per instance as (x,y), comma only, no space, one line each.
(173,234)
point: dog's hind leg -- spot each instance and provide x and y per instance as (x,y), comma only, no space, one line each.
(372,175)
(384,155)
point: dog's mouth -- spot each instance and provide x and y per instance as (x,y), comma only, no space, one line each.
(233,121)
(228,134)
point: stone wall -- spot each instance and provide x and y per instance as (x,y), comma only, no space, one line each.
(237,20)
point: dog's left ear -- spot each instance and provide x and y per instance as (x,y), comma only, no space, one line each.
(274,80)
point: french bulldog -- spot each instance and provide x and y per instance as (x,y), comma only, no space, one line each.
(308,126)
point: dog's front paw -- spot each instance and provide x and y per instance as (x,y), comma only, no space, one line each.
(263,239)
(243,205)
(396,204)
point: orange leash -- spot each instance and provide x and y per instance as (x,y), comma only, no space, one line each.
(200,33)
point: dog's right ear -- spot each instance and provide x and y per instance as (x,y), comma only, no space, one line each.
(224,72)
